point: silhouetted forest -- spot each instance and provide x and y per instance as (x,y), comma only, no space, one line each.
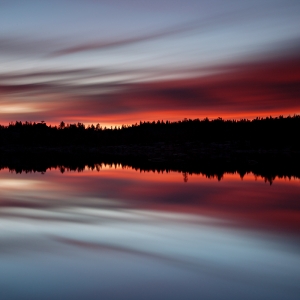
(268,147)
(279,132)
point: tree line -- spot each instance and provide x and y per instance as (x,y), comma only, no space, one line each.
(276,132)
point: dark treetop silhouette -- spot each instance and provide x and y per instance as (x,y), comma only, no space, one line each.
(268,133)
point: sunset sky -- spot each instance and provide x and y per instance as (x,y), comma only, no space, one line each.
(117,62)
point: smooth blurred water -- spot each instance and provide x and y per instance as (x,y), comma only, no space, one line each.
(122,234)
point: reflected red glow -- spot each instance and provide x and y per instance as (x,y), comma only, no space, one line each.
(248,202)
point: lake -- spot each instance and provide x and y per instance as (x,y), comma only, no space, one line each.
(113,232)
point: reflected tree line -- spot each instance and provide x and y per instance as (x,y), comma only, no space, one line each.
(210,172)
(278,132)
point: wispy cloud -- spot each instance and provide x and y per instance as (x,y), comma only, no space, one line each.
(203,24)
(102,45)
(248,89)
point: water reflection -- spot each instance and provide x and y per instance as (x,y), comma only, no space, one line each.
(210,169)
(123,234)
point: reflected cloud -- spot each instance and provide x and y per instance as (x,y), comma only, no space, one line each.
(247,203)
(17,184)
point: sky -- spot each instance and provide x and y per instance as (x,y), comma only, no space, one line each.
(117,62)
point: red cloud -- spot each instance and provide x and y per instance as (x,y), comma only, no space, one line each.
(239,91)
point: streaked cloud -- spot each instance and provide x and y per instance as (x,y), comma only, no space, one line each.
(208,59)
(269,86)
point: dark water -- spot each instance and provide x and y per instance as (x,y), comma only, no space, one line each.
(122,234)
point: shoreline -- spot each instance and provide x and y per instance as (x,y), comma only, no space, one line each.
(210,159)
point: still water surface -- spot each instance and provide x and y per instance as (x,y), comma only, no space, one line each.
(121,234)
